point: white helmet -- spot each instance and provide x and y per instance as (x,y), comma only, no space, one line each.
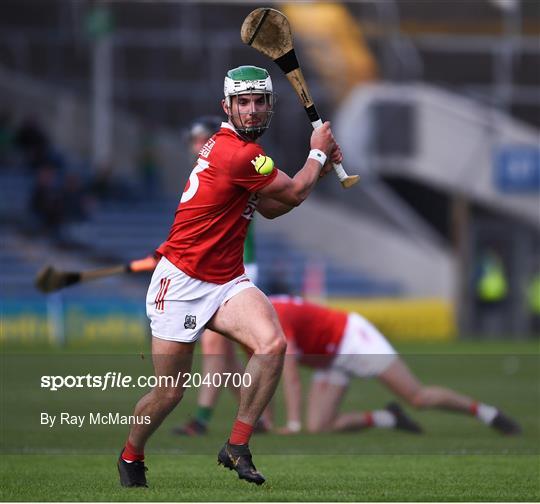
(249,79)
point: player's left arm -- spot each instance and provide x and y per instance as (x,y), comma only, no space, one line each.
(271,208)
(292,386)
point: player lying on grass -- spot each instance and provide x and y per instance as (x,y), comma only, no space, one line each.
(200,280)
(351,347)
(345,345)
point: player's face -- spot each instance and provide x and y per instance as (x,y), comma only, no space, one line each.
(250,110)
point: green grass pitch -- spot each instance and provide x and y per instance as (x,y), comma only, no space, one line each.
(457,459)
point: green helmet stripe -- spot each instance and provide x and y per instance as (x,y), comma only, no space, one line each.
(247,73)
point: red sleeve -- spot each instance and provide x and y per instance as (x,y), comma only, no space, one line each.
(243,172)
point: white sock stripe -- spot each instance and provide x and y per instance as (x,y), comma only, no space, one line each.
(486,413)
(383,419)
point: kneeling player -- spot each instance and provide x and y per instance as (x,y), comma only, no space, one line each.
(351,346)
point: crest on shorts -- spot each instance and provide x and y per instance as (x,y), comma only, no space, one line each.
(190,322)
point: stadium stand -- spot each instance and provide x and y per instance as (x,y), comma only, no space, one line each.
(120,231)
(168,61)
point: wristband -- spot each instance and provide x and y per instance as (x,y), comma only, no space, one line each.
(294,425)
(317,155)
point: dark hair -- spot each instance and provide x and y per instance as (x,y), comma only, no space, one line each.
(205,124)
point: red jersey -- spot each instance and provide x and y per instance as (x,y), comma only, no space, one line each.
(314,329)
(206,240)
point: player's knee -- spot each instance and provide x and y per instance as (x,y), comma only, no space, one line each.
(274,345)
(279,346)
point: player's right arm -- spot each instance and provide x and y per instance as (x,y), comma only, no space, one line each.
(290,192)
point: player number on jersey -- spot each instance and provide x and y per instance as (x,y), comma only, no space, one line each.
(194,180)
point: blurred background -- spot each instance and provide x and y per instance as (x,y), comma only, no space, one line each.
(436,104)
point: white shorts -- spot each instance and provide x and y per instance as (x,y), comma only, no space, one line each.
(363,352)
(180,306)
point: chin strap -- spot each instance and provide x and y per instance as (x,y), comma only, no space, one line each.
(250,136)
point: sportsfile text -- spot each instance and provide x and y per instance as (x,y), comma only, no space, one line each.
(116,379)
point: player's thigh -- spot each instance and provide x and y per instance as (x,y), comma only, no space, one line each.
(250,319)
(400,380)
(324,400)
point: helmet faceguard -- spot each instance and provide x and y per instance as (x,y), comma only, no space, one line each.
(249,80)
